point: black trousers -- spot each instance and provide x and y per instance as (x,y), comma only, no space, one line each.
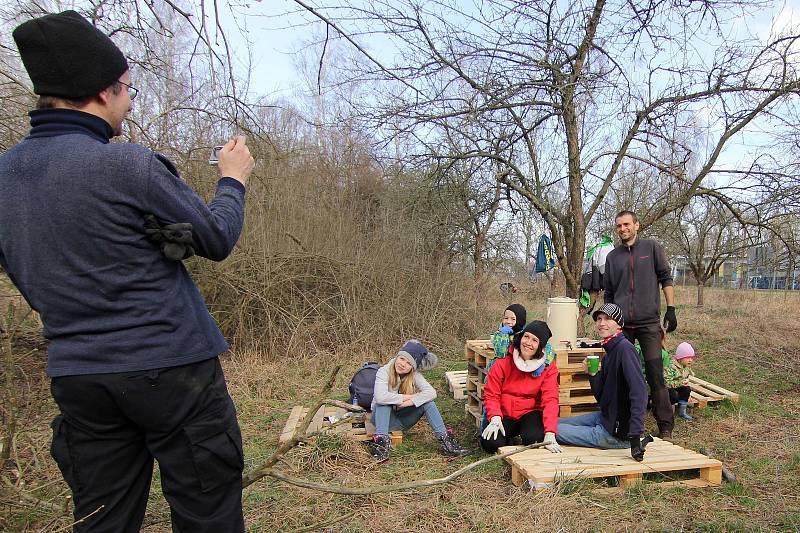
(529,426)
(112,427)
(679,394)
(649,337)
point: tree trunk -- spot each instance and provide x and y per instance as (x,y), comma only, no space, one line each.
(477,256)
(700,287)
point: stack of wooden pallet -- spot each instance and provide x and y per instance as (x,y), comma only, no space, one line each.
(575,395)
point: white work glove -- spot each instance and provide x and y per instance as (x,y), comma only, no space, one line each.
(494,425)
(550,443)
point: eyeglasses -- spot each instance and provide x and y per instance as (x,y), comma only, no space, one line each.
(132,91)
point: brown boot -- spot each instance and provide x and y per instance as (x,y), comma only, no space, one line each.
(665,434)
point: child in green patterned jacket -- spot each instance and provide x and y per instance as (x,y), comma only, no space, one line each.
(677,376)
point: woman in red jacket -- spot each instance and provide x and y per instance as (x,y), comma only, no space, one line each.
(521,393)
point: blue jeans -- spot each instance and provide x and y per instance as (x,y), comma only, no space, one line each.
(386,418)
(587,431)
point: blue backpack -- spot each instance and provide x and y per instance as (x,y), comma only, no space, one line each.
(362,386)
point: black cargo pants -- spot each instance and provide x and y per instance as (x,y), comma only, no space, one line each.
(112,427)
(649,337)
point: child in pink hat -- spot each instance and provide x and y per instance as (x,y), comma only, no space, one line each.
(677,377)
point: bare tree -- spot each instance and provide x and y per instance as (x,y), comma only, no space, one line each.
(707,235)
(571,93)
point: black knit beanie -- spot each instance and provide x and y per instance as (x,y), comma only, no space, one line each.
(66,56)
(540,330)
(521,315)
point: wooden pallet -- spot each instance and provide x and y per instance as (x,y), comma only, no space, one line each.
(360,428)
(704,393)
(542,469)
(457,383)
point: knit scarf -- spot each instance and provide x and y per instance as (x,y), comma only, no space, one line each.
(534,366)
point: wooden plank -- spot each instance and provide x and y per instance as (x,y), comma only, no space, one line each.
(587,400)
(629,480)
(298,411)
(716,388)
(566,411)
(696,483)
(711,395)
(573,358)
(712,474)
(613,471)
(517,477)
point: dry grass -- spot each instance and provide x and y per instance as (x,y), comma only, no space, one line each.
(747,341)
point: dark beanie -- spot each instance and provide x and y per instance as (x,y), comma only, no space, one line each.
(66,56)
(521,315)
(418,355)
(540,330)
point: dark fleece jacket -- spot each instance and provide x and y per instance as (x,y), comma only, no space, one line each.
(620,389)
(72,239)
(632,278)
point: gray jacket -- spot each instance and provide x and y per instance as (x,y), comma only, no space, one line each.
(632,279)
(390,396)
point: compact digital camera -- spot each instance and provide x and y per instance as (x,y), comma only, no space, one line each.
(213,159)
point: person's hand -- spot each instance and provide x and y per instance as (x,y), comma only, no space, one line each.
(235,160)
(495,425)
(685,383)
(584,366)
(550,443)
(407,403)
(670,321)
(637,450)
(506,330)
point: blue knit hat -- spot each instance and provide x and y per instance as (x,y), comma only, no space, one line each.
(418,355)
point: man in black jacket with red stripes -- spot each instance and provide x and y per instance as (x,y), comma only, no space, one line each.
(634,271)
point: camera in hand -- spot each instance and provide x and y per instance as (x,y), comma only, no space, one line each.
(213,159)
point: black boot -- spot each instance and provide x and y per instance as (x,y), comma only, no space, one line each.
(379,448)
(450,447)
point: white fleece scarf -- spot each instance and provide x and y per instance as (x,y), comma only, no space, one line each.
(527,366)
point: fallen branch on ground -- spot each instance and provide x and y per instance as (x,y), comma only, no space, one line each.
(338,489)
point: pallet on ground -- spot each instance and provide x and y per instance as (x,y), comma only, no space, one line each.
(457,383)
(704,393)
(359,428)
(543,469)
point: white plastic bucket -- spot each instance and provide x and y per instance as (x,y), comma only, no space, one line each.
(562,319)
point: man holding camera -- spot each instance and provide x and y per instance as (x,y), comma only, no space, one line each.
(133,352)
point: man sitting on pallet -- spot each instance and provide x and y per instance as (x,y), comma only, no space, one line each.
(620,390)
